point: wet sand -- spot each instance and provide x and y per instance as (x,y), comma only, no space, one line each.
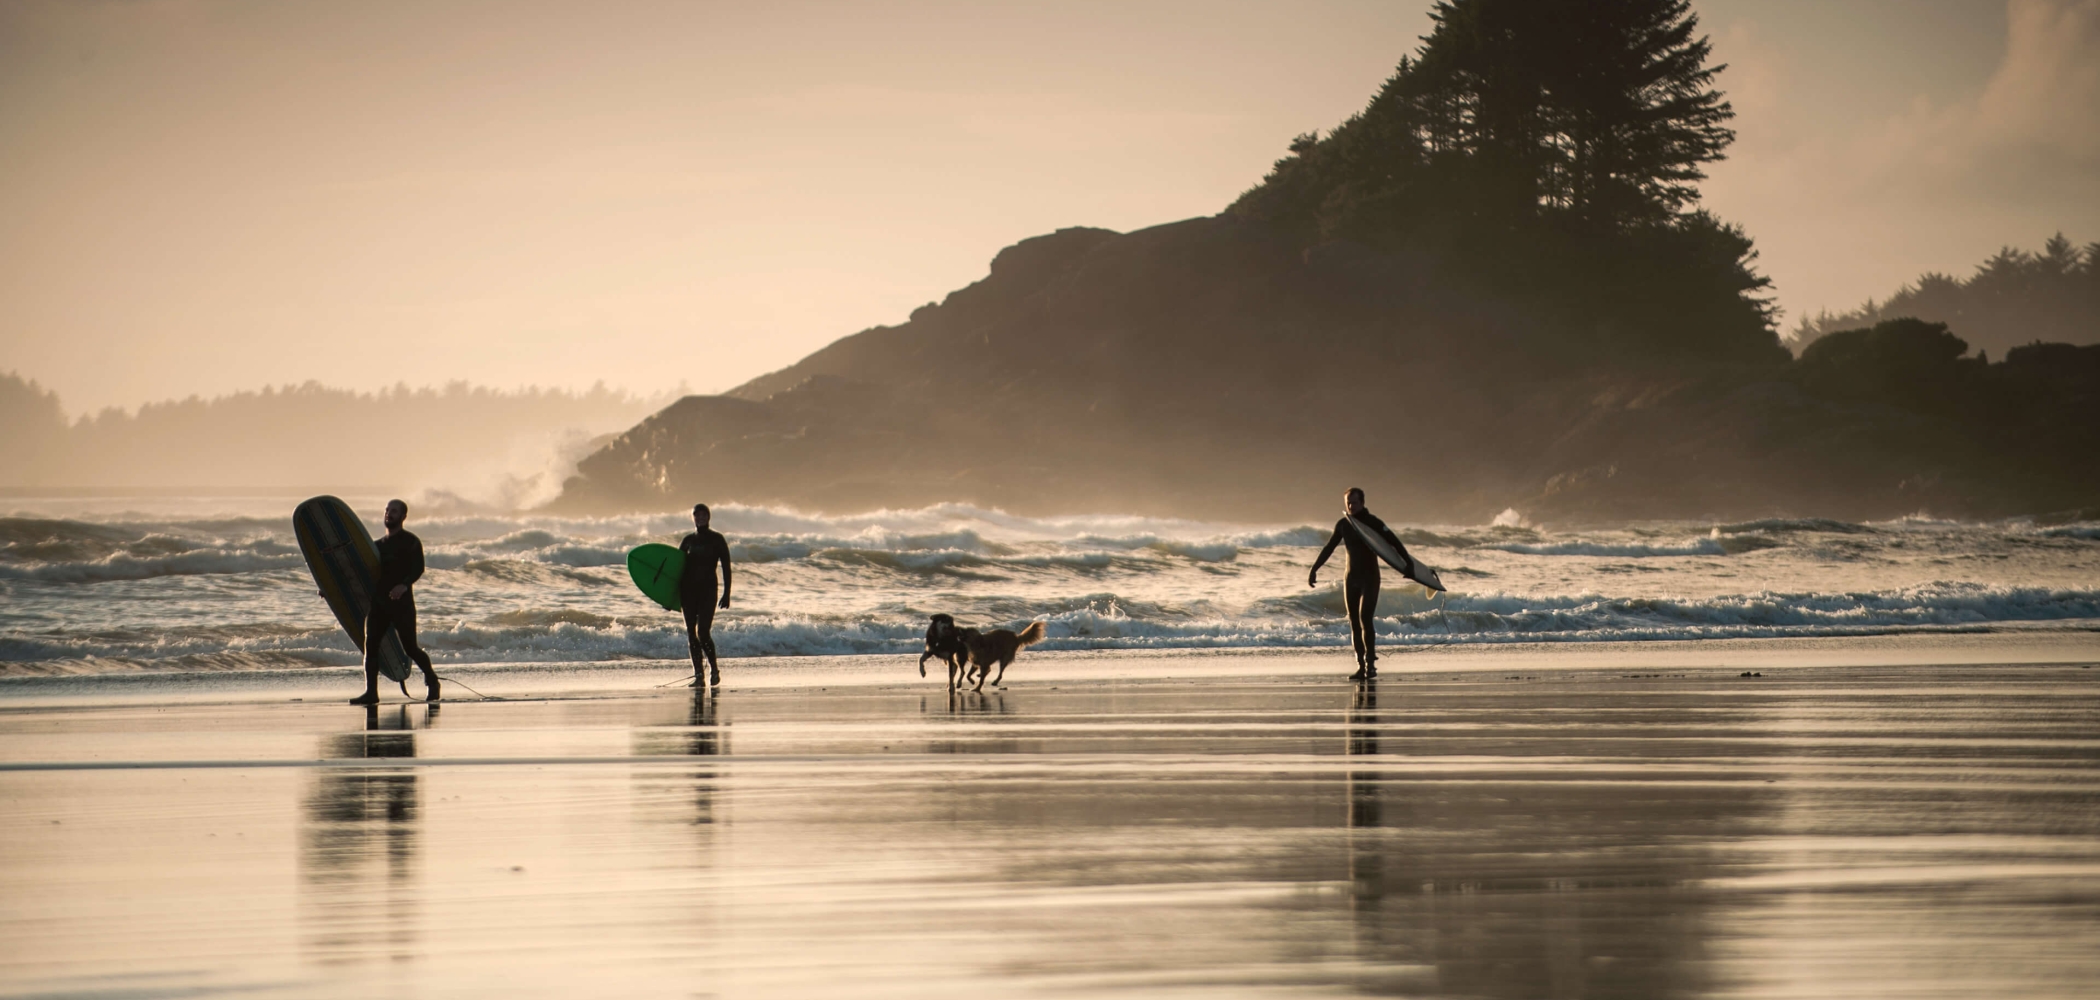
(1867,818)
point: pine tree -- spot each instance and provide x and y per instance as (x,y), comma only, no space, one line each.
(1547,151)
(1603,109)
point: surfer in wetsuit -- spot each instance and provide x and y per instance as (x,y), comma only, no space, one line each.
(1360,587)
(704,549)
(394,606)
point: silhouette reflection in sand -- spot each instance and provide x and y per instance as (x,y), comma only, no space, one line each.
(360,847)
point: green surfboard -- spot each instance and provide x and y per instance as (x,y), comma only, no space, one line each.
(656,569)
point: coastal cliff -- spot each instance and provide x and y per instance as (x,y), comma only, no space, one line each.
(1213,369)
(1492,288)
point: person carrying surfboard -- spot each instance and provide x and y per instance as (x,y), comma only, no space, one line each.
(1363,533)
(704,549)
(394,604)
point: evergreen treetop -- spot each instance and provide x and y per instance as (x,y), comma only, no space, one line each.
(1547,151)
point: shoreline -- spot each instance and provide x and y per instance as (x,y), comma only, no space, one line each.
(643,678)
(1642,820)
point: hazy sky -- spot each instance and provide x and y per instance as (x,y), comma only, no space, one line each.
(200,197)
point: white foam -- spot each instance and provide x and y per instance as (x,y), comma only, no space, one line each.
(125,566)
(1622,550)
(543,589)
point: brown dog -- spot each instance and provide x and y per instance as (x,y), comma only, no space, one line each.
(998,646)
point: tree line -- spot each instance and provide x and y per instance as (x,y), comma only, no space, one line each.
(2015,297)
(304,435)
(1547,153)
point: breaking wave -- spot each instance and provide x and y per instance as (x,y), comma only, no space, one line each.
(125,566)
(232,592)
(1109,622)
(1779,524)
(1696,547)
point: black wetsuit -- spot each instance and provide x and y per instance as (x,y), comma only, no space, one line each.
(400,564)
(1360,587)
(696,594)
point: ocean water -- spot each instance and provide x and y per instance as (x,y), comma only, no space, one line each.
(116,584)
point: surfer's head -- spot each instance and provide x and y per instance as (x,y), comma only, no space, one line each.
(1353,501)
(396,512)
(701,516)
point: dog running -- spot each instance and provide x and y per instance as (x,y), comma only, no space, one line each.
(944,640)
(973,653)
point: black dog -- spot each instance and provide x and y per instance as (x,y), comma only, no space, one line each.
(946,641)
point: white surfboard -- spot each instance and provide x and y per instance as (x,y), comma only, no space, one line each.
(1396,556)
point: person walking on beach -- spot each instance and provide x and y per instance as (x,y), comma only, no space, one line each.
(704,549)
(394,604)
(1360,587)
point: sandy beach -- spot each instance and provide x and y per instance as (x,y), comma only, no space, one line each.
(1674,406)
(1893,817)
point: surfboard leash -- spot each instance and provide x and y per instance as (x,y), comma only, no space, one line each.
(449,680)
(469,687)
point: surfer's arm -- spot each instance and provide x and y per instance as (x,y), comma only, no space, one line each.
(726,572)
(1394,540)
(1397,546)
(1312,579)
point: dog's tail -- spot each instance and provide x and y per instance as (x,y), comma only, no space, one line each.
(1031,635)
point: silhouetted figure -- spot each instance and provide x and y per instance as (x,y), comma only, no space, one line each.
(704,550)
(1360,587)
(394,603)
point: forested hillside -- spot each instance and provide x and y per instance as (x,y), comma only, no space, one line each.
(1491,288)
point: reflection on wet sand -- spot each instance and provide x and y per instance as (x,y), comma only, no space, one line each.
(1367,888)
(1529,885)
(700,735)
(977,703)
(961,706)
(1597,835)
(359,845)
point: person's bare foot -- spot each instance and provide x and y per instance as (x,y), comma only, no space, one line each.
(714,677)
(431,687)
(368,698)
